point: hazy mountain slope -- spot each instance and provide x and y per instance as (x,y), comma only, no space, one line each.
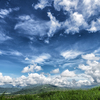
(38,89)
(9,90)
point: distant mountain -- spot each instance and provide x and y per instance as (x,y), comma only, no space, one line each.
(34,89)
(38,89)
(8,90)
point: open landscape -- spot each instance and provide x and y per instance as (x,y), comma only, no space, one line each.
(50,92)
(49,49)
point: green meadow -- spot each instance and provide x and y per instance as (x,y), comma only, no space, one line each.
(89,94)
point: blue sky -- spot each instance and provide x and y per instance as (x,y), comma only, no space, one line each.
(50,42)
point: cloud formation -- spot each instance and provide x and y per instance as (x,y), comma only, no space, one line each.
(70,54)
(92,68)
(35,78)
(43,3)
(80,13)
(6,12)
(31,26)
(90,57)
(11,52)
(5,79)
(31,68)
(55,71)
(41,58)
(68,73)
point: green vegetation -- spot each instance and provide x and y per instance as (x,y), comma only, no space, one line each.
(38,89)
(91,94)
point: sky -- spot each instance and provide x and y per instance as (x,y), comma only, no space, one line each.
(50,42)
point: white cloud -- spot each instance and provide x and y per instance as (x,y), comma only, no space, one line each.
(5,12)
(90,57)
(31,26)
(31,68)
(66,5)
(68,73)
(5,79)
(43,3)
(70,54)
(11,52)
(16,53)
(75,23)
(83,67)
(24,17)
(41,58)
(94,26)
(92,69)
(35,78)
(55,71)
(80,13)
(26,58)
(38,27)
(54,25)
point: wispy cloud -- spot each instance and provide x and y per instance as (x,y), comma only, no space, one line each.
(5,12)
(43,57)
(4,37)
(38,27)
(70,54)
(11,52)
(31,26)
(43,3)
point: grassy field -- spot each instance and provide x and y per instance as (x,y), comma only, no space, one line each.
(90,94)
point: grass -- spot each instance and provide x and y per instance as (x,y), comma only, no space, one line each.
(91,94)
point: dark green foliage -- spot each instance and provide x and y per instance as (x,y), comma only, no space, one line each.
(91,94)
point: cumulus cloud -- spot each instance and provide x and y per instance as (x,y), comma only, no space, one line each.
(80,13)
(32,68)
(90,57)
(5,79)
(68,73)
(55,71)
(75,23)
(92,69)
(94,26)
(70,54)
(35,78)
